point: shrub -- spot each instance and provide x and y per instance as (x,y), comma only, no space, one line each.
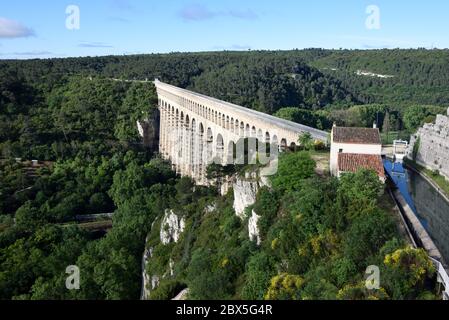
(292,170)
(405,272)
(319,145)
(266,206)
(360,292)
(367,234)
(285,287)
(260,269)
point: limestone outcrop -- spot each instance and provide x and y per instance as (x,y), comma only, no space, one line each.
(183,295)
(171,227)
(245,191)
(253,228)
(244,195)
(430,145)
(210,208)
(146,278)
(149,131)
(226,185)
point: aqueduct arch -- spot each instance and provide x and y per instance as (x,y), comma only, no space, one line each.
(195,129)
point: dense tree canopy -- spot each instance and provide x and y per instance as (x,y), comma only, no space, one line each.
(318,234)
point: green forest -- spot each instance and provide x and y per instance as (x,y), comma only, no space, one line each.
(78,119)
(323,85)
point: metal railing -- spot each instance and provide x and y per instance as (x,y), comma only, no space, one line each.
(443,277)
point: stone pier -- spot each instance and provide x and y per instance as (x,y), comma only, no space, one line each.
(196,130)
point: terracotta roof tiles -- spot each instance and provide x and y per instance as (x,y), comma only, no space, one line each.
(356,135)
(351,162)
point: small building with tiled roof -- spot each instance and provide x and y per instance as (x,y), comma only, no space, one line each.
(356,148)
(351,162)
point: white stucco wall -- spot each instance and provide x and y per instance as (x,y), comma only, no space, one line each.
(351,148)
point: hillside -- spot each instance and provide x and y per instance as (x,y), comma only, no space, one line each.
(412,76)
(304,237)
(316,235)
(418,76)
(322,84)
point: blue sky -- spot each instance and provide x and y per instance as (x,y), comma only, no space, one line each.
(37,29)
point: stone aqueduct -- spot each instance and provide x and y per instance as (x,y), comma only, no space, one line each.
(194,129)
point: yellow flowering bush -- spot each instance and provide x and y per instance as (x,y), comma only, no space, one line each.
(284,287)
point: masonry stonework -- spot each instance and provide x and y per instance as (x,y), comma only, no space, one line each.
(196,130)
(429,147)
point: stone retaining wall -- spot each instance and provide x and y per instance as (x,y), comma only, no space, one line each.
(433,149)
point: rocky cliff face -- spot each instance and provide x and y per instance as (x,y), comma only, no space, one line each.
(172,225)
(245,191)
(171,229)
(244,195)
(432,151)
(253,229)
(183,295)
(149,131)
(146,278)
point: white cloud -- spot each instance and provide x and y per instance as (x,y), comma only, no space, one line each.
(198,12)
(12,29)
(95,45)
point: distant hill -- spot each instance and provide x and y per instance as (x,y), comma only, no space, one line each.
(309,78)
(413,76)
(325,86)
